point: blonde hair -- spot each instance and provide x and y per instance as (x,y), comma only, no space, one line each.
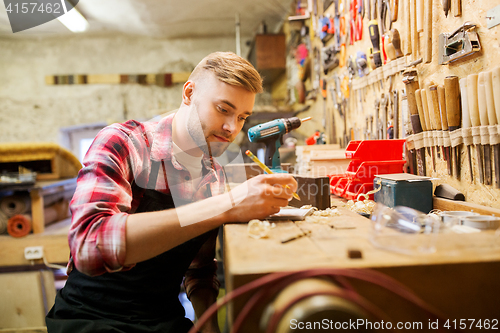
(231,69)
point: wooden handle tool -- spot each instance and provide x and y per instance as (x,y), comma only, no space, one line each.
(452,92)
(472,96)
(408,26)
(466,119)
(434,108)
(472,99)
(484,119)
(490,103)
(452,101)
(396,42)
(442,107)
(495,82)
(420,108)
(425,108)
(428,31)
(481,100)
(414,32)
(457,7)
(394,9)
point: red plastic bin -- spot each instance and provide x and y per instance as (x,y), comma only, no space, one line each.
(368,159)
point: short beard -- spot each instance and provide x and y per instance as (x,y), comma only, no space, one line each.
(196,129)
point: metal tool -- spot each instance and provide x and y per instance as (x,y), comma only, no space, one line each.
(375,39)
(475,119)
(411,82)
(446,7)
(444,126)
(452,92)
(495,82)
(484,118)
(395,104)
(384,101)
(271,134)
(466,122)
(458,44)
(428,122)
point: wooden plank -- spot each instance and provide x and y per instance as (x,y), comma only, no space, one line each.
(37,206)
(54,242)
(26,298)
(24,330)
(451,205)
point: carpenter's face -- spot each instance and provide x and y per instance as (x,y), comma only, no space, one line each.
(217,114)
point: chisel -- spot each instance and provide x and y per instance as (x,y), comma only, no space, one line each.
(428,31)
(495,81)
(452,92)
(434,112)
(466,122)
(483,119)
(445,126)
(425,108)
(492,120)
(474,118)
(411,82)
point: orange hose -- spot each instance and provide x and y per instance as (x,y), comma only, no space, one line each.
(19,225)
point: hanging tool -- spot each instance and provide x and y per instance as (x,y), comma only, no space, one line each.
(445,125)
(434,111)
(475,119)
(466,122)
(457,7)
(452,92)
(395,104)
(411,82)
(428,121)
(375,39)
(446,7)
(394,6)
(384,102)
(414,31)
(495,82)
(428,31)
(458,44)
(484,119)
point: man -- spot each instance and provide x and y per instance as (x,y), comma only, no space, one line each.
(148,204)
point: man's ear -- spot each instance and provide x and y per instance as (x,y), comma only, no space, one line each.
(187,92)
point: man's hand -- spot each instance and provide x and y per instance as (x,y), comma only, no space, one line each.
(261,196)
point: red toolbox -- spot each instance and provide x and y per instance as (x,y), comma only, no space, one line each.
(368,158)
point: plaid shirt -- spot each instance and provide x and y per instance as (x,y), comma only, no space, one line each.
(105,195)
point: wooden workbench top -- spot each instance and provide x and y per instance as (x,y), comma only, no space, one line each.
(328,245)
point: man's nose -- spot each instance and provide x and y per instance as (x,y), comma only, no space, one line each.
(230,125)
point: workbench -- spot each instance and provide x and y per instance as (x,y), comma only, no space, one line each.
(459,279)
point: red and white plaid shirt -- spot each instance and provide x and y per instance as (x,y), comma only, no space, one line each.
(104,197)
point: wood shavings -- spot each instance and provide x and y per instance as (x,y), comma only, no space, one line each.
(259,229)
(290,238)
(320,216)
(365,206)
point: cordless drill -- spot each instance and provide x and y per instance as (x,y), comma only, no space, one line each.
(271,134)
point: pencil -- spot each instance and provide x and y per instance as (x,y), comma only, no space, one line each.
(267,170)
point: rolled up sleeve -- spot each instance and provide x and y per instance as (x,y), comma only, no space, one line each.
(97,236)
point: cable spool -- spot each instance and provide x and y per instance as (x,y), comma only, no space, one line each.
(19,225)
(309,300)
(14,204)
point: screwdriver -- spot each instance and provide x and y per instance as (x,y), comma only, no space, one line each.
(375,38)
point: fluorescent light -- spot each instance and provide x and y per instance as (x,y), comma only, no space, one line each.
(73,20)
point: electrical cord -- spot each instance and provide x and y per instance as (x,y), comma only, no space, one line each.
(373,277)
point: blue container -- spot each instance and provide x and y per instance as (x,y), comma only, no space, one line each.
(404,190)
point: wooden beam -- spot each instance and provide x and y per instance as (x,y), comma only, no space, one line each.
(451,205)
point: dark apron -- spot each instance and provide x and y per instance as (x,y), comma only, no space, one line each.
(142,299)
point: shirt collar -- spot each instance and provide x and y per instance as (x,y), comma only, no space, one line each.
(162,148)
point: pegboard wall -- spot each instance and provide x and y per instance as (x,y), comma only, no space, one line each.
(358,104)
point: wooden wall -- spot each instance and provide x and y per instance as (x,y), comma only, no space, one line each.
(361,101)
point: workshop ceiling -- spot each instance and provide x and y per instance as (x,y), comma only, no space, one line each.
(167,18)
